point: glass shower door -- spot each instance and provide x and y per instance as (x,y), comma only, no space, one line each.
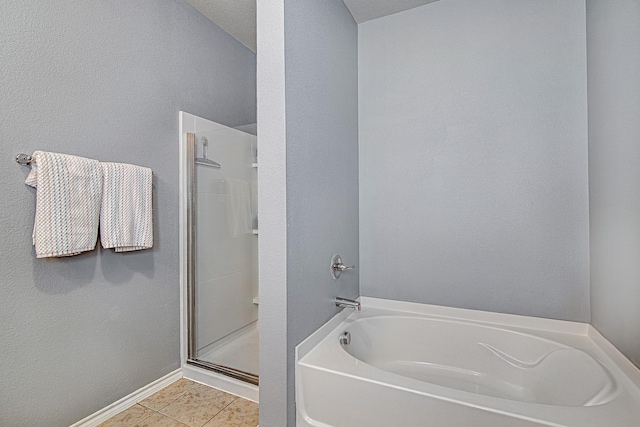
(223,323)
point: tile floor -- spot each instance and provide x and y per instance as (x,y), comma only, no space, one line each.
(185,403)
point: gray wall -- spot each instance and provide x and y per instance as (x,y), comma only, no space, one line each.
(613,39)
(473,157)
(104,80)
(321,103)
(321,85)
(321,93)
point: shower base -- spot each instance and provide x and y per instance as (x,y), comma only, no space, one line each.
(239,353)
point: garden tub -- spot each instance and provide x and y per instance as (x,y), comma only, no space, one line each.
(409,364)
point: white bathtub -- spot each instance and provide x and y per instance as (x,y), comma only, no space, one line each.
(419,365)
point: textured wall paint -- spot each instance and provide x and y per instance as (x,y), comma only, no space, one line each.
(473,157)
(104,80)
(322,165)
(613,40)
(272,205)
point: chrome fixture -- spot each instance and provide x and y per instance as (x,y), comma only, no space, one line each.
(345,338)
(24,159)
(345,302)
(337,267)
(204,160)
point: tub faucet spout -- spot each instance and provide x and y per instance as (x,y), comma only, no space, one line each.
(344,302)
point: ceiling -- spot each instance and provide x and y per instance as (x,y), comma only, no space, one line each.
(238,17)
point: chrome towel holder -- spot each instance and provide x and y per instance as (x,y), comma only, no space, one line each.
(24,159)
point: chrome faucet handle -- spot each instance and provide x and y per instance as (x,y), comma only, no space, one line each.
(338,267)
(342,267)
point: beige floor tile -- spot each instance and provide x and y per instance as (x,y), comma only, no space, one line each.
(168,394)
(128,417)
(240,413)
(198,405)
(159,420)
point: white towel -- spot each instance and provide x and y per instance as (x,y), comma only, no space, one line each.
(126,221)
(69,189)
(238,201)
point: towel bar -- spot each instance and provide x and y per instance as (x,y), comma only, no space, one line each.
(25,160)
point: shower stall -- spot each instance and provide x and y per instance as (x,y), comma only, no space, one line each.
(220,245)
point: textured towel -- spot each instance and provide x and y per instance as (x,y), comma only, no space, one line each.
(126,221)
(69,189)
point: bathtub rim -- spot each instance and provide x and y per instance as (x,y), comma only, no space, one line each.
(616,360)
(631,371)
(463,314)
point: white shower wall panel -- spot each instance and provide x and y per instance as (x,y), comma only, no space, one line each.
(217,252)
(211,220)
(231,295)
(230,145)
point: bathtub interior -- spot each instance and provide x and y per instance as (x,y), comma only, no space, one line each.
(461,368)
(482,360)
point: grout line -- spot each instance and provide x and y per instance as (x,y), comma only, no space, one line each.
(177,397)
(193,385)
(152,412)
(173,419)
(222,409)
(107,413)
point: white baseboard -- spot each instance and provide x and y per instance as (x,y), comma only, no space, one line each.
(221,382)
(128,401)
